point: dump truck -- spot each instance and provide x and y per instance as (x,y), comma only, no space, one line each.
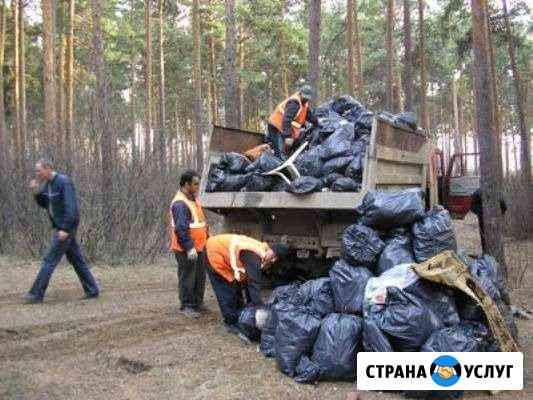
(313,224)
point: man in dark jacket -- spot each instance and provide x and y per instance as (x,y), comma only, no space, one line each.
(58,196)
(188,235)
(477,208)
(290,115)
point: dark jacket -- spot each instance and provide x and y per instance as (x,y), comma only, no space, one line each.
(182,219)
(58,197)
(291,109)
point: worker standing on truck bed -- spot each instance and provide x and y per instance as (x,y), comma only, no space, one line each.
(290,115)
(188,236)
(477,208)
(235,264)
(58,196)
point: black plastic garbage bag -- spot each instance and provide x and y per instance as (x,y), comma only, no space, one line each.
(398,250)
(458,338)
(348,286)
(336,145)
(344,104)
(439,299)
(247,323)
(356,166)
(307,371)
(365,120)
(408,118)
(361,245)
(405,320)
(338,164)
(280,186)
(374,339)
(279,299)
(296,333)
(215,179)
(234,183)
(260,183)
(485,270)
(336,347)
(433,234)
(345,185)
(388,210)
(309,163)
(328,180)
(234,163)
(268,161)
(305,185)
(317,296)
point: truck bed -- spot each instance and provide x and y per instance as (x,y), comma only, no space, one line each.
(395,159)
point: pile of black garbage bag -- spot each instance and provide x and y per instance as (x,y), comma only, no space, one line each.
(373,301)
(333,159)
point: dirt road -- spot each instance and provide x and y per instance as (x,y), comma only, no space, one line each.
(131,344)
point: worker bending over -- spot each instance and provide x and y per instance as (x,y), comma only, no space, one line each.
(236,264)
(290,115)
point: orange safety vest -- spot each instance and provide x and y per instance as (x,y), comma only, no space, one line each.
(276,118)
(197,228)
(223,252)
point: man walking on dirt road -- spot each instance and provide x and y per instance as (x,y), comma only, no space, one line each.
(58,196)
(188,235)
(235,264)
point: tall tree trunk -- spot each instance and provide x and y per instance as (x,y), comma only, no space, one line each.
(134,137)
(48,74)
(197,84)
(457,133)
(314,45)
(148,84)
(60,74)
(349,46)
(238,88)
(162,111)
(102,123)
(16,87)
(22,78)
(211,66)
(490,187)
(69,128)
(3,152)
(230,101)
(525,145)
(390,56)
(424,121)
(283,51)
(408,58)
(494,86)
(358,54)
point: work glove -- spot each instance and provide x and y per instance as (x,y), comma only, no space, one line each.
(262,318)
(192,255)
(289,142)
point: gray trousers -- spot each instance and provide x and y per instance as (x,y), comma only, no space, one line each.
(191,280)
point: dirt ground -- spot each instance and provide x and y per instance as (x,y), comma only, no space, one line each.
(132,344)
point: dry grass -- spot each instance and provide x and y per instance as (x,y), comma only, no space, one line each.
(131,343)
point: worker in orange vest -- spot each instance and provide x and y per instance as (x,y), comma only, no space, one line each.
(285,123)
(188,236)
(236,264)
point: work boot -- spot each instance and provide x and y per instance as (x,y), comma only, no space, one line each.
(190,312)
(233,329)
(244,338)
(202,309)
(31,299)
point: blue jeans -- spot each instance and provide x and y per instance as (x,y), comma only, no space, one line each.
(54,255)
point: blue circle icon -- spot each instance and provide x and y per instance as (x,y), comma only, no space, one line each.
(445,371)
